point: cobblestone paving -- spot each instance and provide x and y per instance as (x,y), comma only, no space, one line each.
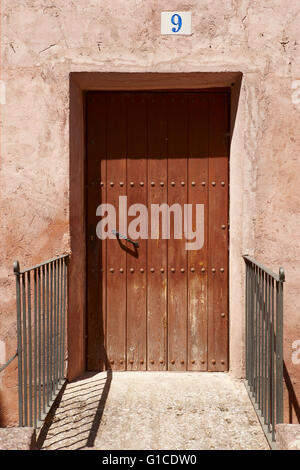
(155,410)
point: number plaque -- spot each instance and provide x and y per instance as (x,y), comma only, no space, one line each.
(176,22)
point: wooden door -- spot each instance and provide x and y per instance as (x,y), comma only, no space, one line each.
(158,306)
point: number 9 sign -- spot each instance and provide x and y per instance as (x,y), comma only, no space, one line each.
(176,22)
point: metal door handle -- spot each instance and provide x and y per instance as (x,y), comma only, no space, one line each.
(119,235)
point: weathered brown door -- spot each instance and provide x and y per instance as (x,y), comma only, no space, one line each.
(158,306)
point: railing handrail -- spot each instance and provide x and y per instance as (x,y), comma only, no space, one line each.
(17,266)
(278,277)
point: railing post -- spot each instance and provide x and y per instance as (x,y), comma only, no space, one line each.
(250,326)
(279,346)
(247,318)
(19,339)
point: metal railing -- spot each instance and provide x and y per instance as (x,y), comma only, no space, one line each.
(264,343)
(41,328)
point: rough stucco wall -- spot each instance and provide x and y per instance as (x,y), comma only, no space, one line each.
(277,225)
(42,41)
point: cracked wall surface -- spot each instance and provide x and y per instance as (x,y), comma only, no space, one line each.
(42,41)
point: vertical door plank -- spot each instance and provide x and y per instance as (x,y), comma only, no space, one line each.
(96,250)
(177,255)
(157,248)
(137,257)
(197,259)
(116,256)
(218,236)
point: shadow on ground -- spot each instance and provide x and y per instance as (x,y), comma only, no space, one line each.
(75,417)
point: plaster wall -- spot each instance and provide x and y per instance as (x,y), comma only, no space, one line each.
(43,41)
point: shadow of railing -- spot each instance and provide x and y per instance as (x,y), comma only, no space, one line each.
(293,400)
(75,417)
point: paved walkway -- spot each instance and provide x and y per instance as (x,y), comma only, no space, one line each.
(154,410)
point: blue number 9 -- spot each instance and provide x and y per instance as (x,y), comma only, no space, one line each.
(177,21)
